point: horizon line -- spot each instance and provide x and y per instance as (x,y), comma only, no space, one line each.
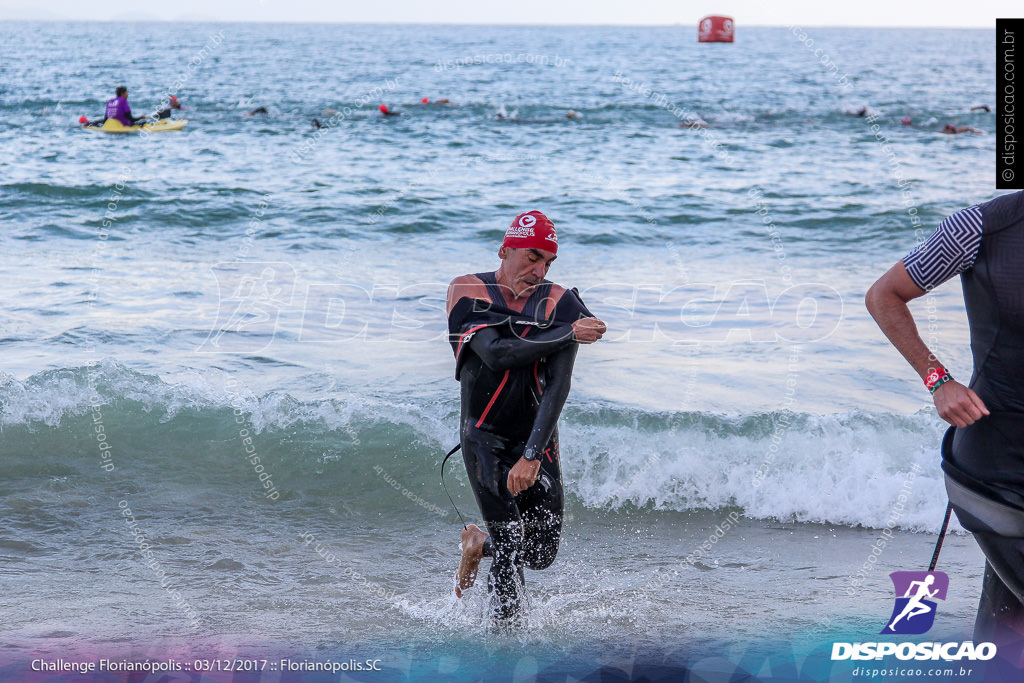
(492,24)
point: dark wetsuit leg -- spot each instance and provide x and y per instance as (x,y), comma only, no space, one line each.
(524,529)
(1000,607)
(1000,617)
(541,509)
(985,459)
(488,461)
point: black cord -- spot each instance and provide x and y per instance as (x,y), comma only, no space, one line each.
(942,535)
(450,454)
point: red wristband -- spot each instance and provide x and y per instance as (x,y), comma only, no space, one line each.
(938,374)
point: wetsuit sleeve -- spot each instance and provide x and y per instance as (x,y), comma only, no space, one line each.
(571,308)
(500,352)
(950,250)
(559,371)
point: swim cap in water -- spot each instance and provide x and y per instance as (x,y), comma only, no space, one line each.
(531,230)
(383,109)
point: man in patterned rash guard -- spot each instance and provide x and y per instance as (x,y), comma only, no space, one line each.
(515,337)
(983,453)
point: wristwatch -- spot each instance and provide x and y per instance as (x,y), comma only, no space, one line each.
(530,454)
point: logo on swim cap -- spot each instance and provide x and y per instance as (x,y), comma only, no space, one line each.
(914,611)
(518,232)
(531,230)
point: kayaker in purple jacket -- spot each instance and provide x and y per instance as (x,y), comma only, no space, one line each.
(117,108)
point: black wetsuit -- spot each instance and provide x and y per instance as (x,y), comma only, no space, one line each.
(515,371)
(988,456)
(984,462)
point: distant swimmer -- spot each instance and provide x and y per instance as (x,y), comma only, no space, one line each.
(907,121)
(166,111)
(258,111)
(117,108)
(502,115)
(950,129)
(387,112)
(328,112)
(915,606)
(694,124)
(982,107)
(515,336)
(862,112)
(318,125)
(518,120)
(443,100)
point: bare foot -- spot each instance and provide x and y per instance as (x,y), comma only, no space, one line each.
(473,538)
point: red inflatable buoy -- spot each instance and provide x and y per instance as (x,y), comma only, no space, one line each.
(715,29)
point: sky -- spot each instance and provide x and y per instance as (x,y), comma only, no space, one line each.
(915,13)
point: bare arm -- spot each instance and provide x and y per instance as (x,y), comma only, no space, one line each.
(465,286)
(887,300)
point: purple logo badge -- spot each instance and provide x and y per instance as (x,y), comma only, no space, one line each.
(916,592)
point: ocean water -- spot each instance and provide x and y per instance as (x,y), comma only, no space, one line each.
(175,303)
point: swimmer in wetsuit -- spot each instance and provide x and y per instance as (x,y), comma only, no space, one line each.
(515,337)
(172,103)
(983,453)
(950,129)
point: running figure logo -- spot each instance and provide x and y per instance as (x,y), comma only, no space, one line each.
(914,611)
(252,296)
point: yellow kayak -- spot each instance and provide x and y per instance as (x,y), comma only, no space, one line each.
(115,126)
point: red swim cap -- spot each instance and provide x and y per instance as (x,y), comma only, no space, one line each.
(383,109)
(425,100)
(531,230)
(174,100)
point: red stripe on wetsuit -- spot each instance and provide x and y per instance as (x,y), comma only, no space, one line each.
(462,339)
(504,379)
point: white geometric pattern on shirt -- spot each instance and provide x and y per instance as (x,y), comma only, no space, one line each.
(948,252)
